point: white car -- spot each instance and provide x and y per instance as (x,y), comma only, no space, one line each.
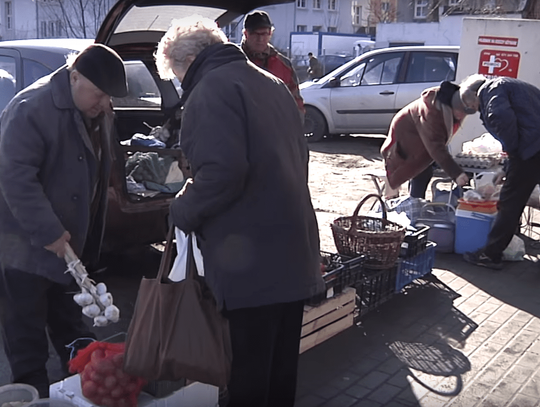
(363,95)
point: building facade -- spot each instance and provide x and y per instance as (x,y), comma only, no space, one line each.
(23,19)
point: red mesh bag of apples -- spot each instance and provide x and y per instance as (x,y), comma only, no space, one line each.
(103,380)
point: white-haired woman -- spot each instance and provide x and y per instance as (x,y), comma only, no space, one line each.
(420,132)
(248,203)
(510,111)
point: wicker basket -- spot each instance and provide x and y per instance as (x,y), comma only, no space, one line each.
(377,238)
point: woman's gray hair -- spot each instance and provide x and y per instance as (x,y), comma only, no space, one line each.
(183,41)
(468,89)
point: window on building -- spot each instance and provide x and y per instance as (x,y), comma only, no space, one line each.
(332,4)
(453,3)
(332,29)
(59,29)
(301,3)
(301,28)
(316,4)
(43,29)
(316,28)
(357,15)
(420,8)
(8,15)
(385,6)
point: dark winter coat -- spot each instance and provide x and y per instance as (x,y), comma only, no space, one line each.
(249,202)
(510,111)
(418,136)
(48,174)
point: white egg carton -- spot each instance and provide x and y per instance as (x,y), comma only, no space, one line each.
(478,160)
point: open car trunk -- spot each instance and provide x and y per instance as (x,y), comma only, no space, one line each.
(133,28)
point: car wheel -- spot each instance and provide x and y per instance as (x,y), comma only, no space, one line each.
(314,125)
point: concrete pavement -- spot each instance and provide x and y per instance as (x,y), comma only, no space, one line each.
(465,337)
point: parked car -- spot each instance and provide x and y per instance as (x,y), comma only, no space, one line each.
(25,61)
(133,28)
(363,95)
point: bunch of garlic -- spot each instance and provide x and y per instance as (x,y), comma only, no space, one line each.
(98,304)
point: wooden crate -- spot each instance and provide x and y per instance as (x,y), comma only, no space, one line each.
(328,319)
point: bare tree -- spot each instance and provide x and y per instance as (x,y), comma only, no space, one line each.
(381,12)
(77,18)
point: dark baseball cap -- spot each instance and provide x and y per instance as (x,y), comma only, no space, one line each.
(103,67)
(257,19)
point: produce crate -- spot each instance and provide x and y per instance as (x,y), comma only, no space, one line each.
(375,288)
(341,272)
(415,242)
(415,267)
(328,319)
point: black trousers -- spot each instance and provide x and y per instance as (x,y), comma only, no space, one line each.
(32,306)
(265,343)
(521,178)
(419,184)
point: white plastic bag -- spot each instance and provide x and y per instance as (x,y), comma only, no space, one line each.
(178,271)
(484,185)
(515,250)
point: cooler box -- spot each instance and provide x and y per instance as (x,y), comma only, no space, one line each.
(472,229)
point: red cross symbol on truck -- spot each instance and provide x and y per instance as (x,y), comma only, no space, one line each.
(495,63)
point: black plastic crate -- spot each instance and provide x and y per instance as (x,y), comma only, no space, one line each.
(410,269)
(375,288)
(415,242)
(341,272)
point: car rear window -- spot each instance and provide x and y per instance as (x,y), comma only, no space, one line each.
(142,88)
(431,67)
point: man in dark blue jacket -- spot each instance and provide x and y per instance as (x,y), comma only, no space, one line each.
(510,111)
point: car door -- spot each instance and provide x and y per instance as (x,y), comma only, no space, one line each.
(365,99)
(425,69)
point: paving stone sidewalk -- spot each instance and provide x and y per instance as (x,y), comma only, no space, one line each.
(468,337)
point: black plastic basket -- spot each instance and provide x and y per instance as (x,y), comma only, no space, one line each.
(344,271)
(410,269)
(375,288)
(415,242)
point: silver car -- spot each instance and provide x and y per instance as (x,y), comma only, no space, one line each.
(362,96)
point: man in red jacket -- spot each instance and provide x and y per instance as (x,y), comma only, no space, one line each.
(258,29)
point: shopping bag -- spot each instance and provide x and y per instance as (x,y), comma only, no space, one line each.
(178,271)
(177,331)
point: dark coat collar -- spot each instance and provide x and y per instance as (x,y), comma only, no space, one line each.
(61,89)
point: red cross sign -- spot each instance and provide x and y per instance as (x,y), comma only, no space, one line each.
(495,63)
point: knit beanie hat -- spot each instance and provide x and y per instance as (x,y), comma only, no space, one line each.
(104,68)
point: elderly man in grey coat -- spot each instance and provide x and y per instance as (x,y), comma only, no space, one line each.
(55,158)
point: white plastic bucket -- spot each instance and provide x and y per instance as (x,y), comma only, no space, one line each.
(18,392)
